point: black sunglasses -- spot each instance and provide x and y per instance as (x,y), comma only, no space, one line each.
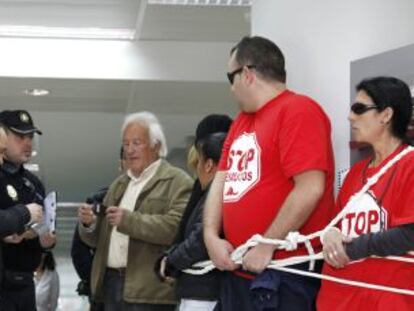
(359,108)
(231,75)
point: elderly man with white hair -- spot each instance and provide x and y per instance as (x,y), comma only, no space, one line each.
(143,210)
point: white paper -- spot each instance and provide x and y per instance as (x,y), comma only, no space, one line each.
(50,203)
(49,215)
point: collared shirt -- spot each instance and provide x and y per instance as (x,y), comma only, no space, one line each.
(118,245)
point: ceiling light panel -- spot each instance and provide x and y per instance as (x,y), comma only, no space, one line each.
(36,92)
(66,32)
(106,19)
(203,2)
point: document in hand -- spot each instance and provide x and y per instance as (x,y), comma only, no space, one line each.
(50,204)
(49,215)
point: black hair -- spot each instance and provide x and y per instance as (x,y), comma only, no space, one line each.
(394,93)
(48,262)
(264,55)
(212,123)
(210,147)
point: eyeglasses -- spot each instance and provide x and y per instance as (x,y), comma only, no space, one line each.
(136,143)
(231,75)
(359,108)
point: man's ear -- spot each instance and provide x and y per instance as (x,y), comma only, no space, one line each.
(157,147)
(249,75)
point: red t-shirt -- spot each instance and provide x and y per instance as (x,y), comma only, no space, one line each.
(263,151)
(394,194)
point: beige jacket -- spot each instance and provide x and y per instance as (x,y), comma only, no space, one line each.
(151,228)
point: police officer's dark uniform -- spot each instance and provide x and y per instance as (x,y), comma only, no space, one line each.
(12,220)
(18,186)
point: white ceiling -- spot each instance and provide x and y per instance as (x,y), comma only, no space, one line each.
(195,23)
(70,13)
(149,21)
(81,118)
(163,97)
(66,95)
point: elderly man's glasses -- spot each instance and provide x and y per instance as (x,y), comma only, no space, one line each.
(359,108)
(136,143)
(231,75)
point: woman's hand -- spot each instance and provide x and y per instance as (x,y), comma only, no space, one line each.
(163,266)
(333,248)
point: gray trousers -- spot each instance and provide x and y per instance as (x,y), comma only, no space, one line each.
(113,287)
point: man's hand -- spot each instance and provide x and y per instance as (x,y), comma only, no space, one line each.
(219,251)
(29,234)
(114,215)
(85,215)
(13,239)
(47,240)
(16,239)
(36,212)
(333,248)
(257,258)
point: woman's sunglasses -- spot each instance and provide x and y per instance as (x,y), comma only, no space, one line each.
(359,108)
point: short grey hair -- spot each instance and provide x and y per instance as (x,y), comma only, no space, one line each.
(155,131)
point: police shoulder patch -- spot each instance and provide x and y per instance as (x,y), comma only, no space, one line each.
(12,192)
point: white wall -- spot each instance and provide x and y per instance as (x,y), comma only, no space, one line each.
(78,151)
(321,37)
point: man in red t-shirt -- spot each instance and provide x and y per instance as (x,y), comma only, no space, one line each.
(276,176)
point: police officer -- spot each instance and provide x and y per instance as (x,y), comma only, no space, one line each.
(14,219)
(21,252)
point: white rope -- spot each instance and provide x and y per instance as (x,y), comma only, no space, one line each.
(370,182)
(294,238)
(348,282)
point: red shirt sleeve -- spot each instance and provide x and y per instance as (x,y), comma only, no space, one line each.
(304,139)
(226,148)
(404,209)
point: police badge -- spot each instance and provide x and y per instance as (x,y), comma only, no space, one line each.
(24,117)
(12,192)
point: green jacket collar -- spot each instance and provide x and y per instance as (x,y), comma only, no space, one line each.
(164,171)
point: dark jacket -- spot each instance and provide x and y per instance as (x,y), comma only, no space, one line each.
(12,220)
(188,249)
(19,187)
(82,257)
(81,253)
